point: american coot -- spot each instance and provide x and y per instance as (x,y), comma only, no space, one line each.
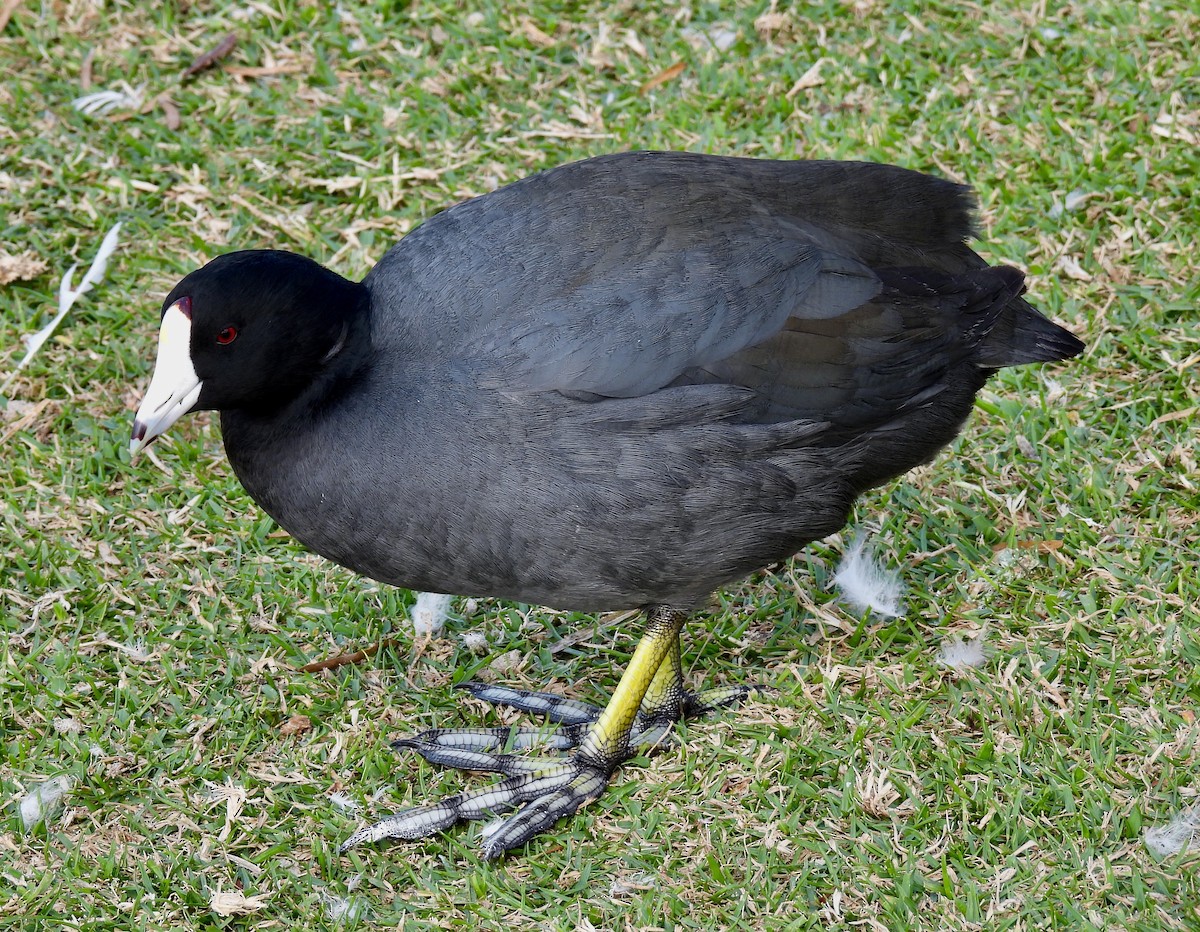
(621,383)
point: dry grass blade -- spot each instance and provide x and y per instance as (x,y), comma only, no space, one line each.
(212,56)
(171,118)
(342,660)
(667,74)
(6,12)
(21,267)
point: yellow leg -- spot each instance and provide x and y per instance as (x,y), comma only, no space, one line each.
(667,700)
(607,741)
(665,696)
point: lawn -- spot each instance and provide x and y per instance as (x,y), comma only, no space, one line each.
(154,623)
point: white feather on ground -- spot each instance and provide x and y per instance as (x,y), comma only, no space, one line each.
(866,584)
(958,653)
(344,803)
(475,641)
(235,903)
(340,909)
(101,103)
(67,296)
(430,612)
(492,828)
(44,800)
(1181,833)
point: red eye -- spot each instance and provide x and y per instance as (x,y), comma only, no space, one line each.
(226,335)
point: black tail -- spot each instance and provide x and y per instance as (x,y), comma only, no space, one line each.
(1020,335)
(1003,327)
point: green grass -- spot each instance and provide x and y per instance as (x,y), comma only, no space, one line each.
(153,622)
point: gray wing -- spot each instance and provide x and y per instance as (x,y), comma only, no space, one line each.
(613,276)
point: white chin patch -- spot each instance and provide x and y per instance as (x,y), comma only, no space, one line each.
(175,387)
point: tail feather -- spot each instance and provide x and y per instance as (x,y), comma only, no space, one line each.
(1003,327)
(1021,335)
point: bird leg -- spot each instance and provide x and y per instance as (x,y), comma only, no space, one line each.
(647,702)
(666,702)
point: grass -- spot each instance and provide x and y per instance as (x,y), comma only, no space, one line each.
(153,622)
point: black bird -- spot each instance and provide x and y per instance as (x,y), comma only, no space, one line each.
(622,383)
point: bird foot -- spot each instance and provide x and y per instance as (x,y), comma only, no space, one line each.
(545,790)
(718,697)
